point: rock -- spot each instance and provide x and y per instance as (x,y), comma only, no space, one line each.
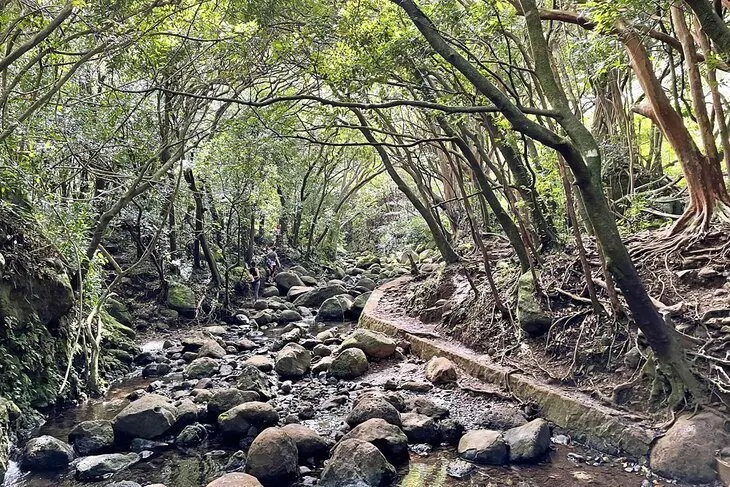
(530,314)
(486,447)
(261,362)
(224,399)
(252,379)
(187,413)
(451,431)
(309,281)
(440,370)
(216,330)
(323,365)
(181,298)
(420,428)
(191,435)
(156,370)
(235,479)
(357,463)
(331,310)
(238,420)
(288,316)
(148,417)
(272,458)
(101,466)
(388,438)
(359,304)
(321,350)
(687,451)
(201,368)
(292,361)
(89,437)
(416,386)
(286,280)
(270,292)
(297,291)
(119,311)
(46,453)
(317,296)
(245,344)
(460,469)
(366,282)
(373,407)
(211,349)
(528,443)
(348,364)
(423,405)
(309,443)
(375,345)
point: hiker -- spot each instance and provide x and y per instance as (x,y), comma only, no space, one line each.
(272,263)
(254,278)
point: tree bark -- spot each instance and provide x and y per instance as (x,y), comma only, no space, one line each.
(704,179)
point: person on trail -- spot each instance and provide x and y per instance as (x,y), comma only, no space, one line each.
(254,279)
(272,264)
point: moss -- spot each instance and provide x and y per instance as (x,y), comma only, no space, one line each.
(119,311)
(181,298)
(530,314)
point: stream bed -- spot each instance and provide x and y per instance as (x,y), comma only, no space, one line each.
(567,464)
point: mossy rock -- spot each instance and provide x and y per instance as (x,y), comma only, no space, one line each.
(181,298)
(530,314)
(119,311)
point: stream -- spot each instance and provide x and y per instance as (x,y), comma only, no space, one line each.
(568,464)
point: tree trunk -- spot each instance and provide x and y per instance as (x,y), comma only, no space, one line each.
(199,230)
(583,158)
(442,243)
(704,179)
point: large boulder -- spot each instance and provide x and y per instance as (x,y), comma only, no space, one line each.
(200,368)
(224,399)
(687,451)
(238,420)
(297,291)
(317,296)
(235,479)
(309,443)
(272,458)
(420,428)
(357,463)
(46,453)
(529,442)
(530,314)
(359,304)
(441,370)
(181,298)
(212,349)
(367,283)
(373,407)
(287,280)
(288,316)
(388,438)
(486,447)
(331,310)
(89,437)
(99,467)
(252,379)
(148,417)
(375,345)
(292,361)
(348,364)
